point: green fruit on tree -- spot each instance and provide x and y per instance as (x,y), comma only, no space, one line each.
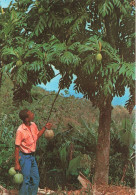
(41,10)
(19,63)
(98,57)
(18,178)
(12,171)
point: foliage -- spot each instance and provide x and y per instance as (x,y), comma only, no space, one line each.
(123,151)
(68,37)
(17,46)
(71,153)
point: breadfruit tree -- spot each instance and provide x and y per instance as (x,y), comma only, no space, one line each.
(91,39)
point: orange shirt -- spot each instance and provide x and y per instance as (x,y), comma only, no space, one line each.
(26,138)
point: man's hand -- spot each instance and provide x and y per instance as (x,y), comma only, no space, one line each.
(17,167)
(48,125)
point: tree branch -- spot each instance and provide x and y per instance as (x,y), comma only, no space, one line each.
(53,104)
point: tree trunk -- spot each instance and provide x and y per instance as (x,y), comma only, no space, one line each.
(103,144)
(0,73)
(0,79)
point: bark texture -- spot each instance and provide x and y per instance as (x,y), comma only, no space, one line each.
(103,144)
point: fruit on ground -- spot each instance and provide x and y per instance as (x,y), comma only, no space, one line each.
(19,63)
(49,134)
(18,178)
(12,171)
(98,57)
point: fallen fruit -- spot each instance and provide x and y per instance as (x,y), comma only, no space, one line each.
(18,178)
(49,134)
(12,171)
(98,57)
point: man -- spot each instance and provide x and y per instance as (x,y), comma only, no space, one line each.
(25,145)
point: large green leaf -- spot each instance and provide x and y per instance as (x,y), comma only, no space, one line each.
(74,165)
(63,155)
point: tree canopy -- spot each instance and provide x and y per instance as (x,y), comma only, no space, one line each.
(68,35)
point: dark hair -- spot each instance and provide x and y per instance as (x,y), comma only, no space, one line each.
(23,114)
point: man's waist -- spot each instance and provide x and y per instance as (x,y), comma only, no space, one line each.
(31,153)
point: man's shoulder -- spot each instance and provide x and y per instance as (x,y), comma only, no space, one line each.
(33,124)
(21,128)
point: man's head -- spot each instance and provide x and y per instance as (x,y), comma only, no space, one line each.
(26,115)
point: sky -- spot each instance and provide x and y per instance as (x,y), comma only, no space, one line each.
(53,85)
(4,3)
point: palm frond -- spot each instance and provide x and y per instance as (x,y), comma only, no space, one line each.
(36,66)
(9,51)
(130,103)
(42,23)
(60,47)
(69,19)
(106,8)
(8,67)
(112,53)
(69,58)
(77,24)
(21,76)
(74,46)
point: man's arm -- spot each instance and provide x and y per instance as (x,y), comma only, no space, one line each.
(41,132)
(17,165)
